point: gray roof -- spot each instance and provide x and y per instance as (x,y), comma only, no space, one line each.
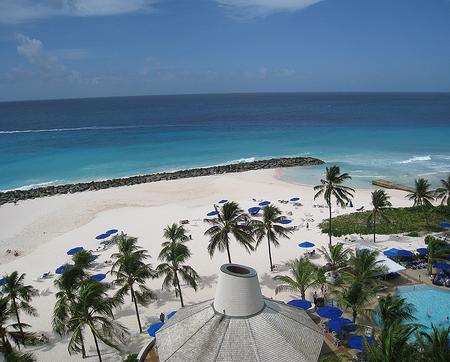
(278,333)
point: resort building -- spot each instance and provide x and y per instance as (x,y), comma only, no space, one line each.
(239,324)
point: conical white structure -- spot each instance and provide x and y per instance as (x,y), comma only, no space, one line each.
(239,325)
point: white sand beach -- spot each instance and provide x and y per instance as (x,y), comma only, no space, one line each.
(42,230)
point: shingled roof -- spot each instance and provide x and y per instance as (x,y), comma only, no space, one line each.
(276,332)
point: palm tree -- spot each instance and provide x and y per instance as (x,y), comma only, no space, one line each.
(93,309)
(336,256)
(422,196)
(174,254)
(392,345)
(380,200)
(19,296)
(67,285)
(131,272)
(434,346)
(364,267)
(443,192)
(394,309)
(437,251)
(332,186)
(304,275)
(269,227)
(83,259)
(231,220)
(9,335)
(355,296)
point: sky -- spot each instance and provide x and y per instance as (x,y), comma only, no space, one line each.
(95,48)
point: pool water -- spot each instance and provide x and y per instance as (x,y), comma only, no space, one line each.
(432,304)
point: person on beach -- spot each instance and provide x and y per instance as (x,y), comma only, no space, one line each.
(162,317)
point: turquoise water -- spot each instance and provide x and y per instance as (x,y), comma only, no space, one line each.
(432,304)
(395,136)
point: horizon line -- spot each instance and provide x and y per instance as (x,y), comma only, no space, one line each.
(221,93)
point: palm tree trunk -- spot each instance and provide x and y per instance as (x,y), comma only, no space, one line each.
(179,289)
(83,349)
(374,222)
(303,293)
(228,252)
(329,223)
(136,308)
(18,321)
(270,254)
(355,314)
(96,345)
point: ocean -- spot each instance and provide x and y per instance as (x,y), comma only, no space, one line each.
(394,136)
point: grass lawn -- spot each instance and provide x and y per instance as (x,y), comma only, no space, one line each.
(401,220)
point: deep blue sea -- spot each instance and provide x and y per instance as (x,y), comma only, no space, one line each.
(383,135)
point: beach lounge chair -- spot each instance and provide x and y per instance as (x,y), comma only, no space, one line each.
(360,208)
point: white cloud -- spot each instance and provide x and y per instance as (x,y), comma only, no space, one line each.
(15,11)
(44,64)
(255,8)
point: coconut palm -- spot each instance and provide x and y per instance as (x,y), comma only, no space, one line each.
(231,221)
(437,251)
(67,286)
(336,256)
(422,196)
(131,273)
(332,186)
(83,259)
(93,310)
(304,275)
(174,254)
(394,309)
(434,345)
(364,267)
(392,345)
(269,227)
(356,297)
(19,297)
(380,201)
(443,192)
(9,335)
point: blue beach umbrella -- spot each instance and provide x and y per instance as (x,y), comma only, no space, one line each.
(329,312)
(112,231)
(445,225)
(294,199)
(337,324)
(264,203)
(102,236)
(403,252)
(223,201)
(212,213)
(75,250)
(155,327)
(171,314)
(391,252)
(2,281)
(61,268)
(306,244)
(284,221)
(357,342)
(300,303)
(422,251)
(441,265)
(254,210)
(98,277)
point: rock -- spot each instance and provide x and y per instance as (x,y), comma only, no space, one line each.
(16,195)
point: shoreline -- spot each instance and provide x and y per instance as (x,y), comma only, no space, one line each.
(13,196)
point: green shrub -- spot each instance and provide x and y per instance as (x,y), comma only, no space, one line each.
(413,234)
(401,220)
(131,358)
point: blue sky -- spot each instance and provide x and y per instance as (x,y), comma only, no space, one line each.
(86,48)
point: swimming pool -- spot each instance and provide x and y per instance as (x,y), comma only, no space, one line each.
(432,304)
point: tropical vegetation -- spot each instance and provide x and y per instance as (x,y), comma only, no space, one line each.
(174,254)
(380,201)
(332,186)
(270,228)
(303,275)
(443,192)
(231,220)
